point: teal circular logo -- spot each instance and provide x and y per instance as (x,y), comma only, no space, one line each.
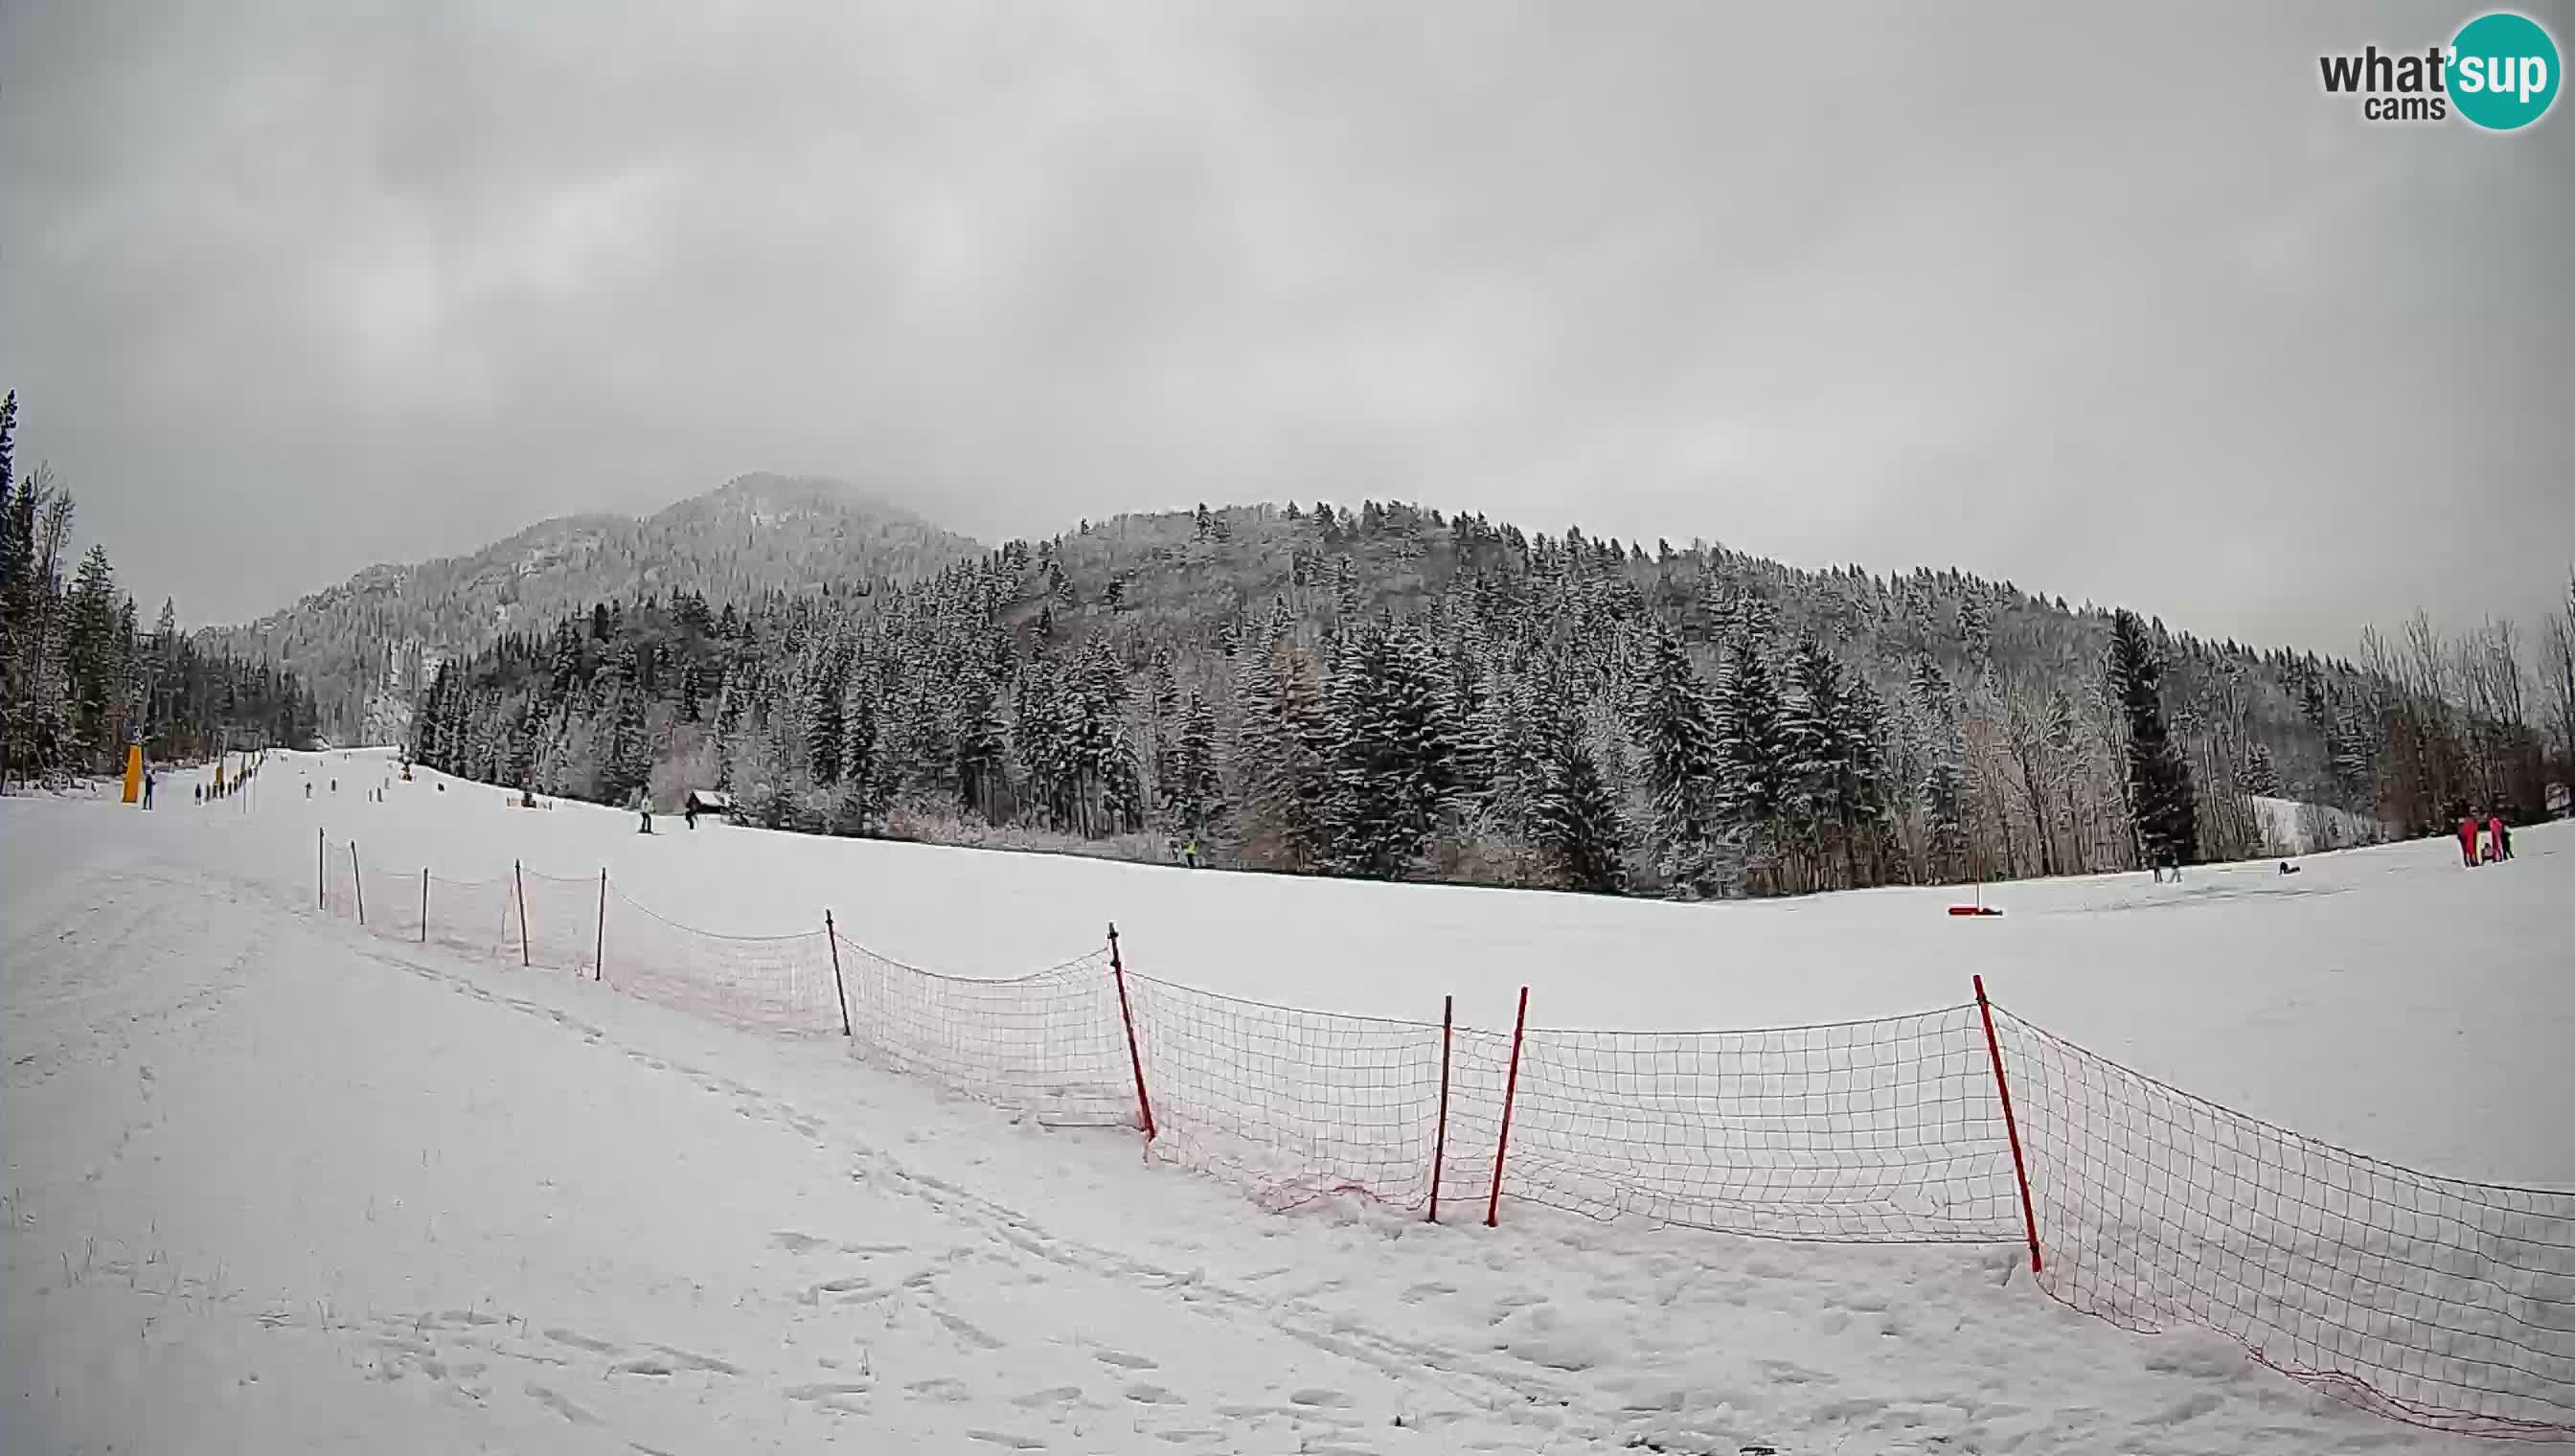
(2503,71)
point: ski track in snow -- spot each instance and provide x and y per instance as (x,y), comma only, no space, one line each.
(274,1185)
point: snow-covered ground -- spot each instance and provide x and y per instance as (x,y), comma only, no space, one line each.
(276,1186)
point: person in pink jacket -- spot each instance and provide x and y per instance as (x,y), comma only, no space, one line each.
(2498,838)
(2468,841)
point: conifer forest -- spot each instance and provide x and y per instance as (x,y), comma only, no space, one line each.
(1393,693)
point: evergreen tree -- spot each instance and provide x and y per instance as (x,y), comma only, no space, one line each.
(867,776)
(1943,787)
(629,762)
(1684,764)
(1197,788)
(1752,728)
(94,656)
(2261,776)
(426,722)
(1391,770)
(2159,784)
(983,746)
(825,693)
(1575,821)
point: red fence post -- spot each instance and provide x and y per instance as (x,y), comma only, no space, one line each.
(2011,1127)
(599,952)
(832,934)
(424,904)
(1135,1056)
(1510,1094)
(1439,1140)
(357,882)
(519,878)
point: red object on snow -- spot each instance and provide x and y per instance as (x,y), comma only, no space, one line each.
(1973,911)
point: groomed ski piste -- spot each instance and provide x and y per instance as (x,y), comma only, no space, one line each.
(613,1178)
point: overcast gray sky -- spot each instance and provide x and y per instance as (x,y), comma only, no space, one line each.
(2113,303)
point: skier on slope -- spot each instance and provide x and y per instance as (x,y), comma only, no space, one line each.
(2498,838)
(2468,840)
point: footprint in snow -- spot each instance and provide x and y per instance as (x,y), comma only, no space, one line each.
(1052,1395)
(825,1390)
(797,1243)
(562,1407)
(1318,1398)
(708,1363)
(965,1331)
(1126,1361)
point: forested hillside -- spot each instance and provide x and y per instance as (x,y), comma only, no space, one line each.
(368,644)
(79,680)
(1389,692)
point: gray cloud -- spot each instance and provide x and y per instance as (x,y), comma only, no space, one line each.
(2114,307)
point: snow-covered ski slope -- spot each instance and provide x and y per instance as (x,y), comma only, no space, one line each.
(276,1186)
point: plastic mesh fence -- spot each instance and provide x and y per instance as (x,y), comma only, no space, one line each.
(1303,1105)
(335,880)
(394,910)
(2432,1301)
(475,917)
(1048,1043)
(780,984)
(553,922)
(1878,1131)
(2435,1302)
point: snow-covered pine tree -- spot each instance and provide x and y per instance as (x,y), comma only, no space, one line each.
(627,762)
(2260,775)
(1391,769)
(1867,797)
(827,685)
(426,720)
(862,795)
(1682,762)
(1817,765)
(692,691)
(1573,820)
(1199,793)
(92,658)
(982,746)
(2159,784)
(1943,787)
(1751,727)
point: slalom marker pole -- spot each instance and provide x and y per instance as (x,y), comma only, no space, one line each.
(831,935)
(1134,1055)
(2011,1126)
(1440,1142)
(1511,1094)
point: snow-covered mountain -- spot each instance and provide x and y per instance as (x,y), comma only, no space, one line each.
(369,644)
